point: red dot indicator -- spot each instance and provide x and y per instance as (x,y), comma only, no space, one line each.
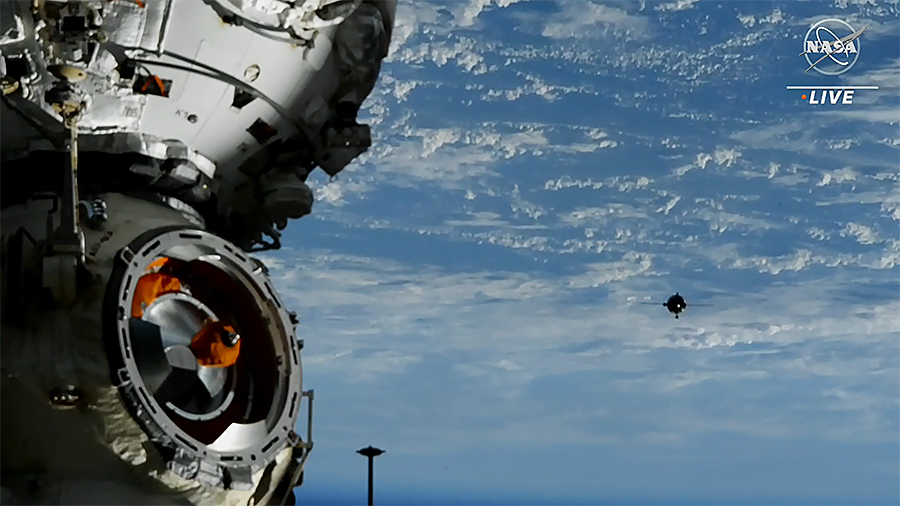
(803,97)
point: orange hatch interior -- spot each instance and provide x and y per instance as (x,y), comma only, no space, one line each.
(208,344)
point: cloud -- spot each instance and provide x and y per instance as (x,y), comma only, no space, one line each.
(721,156)
(885,8)
(818,234)
(679,5)
(862,233)
(481,219)
(464,51)
(804,258)
(891,205)
(336,192)
(633,264)
(534,86)
(467,13)
(669,205)
(449,156)
(492,337)
(584,19)
(434,139)
(720,221)
(774,18)
(616,183)
(886,114)
(842,144)
(886,78)
(600,216)
(794,136)
(410,16)
(838,176)
(486,274)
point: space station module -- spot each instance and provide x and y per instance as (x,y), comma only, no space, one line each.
(149,148)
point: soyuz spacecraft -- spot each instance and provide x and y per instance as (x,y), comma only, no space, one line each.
(148,148)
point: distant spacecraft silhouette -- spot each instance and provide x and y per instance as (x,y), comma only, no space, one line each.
(676,304)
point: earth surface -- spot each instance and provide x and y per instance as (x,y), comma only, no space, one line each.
(481,293)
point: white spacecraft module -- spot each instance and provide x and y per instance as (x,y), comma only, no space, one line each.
(148,147)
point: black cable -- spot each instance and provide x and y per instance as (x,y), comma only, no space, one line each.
(218,75)
(295,41)
(261,29)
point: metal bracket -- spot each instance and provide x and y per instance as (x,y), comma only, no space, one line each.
(240,478)
(185,466)
(211,474)
(123,377)
(95,212)
(64,248)
(308,444)
(296,467)
(339,145)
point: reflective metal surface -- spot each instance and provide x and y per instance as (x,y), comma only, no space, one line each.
(178,317)
(239,435)
(182,357)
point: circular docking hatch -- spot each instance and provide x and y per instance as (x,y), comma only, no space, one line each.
(204,354)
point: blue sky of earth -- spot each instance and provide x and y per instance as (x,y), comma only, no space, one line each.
(469,290)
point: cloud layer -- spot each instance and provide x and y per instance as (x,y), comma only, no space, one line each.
(484,279)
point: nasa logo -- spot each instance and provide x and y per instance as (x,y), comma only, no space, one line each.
(838,53)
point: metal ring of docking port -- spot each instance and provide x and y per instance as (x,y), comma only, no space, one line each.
(204,354)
